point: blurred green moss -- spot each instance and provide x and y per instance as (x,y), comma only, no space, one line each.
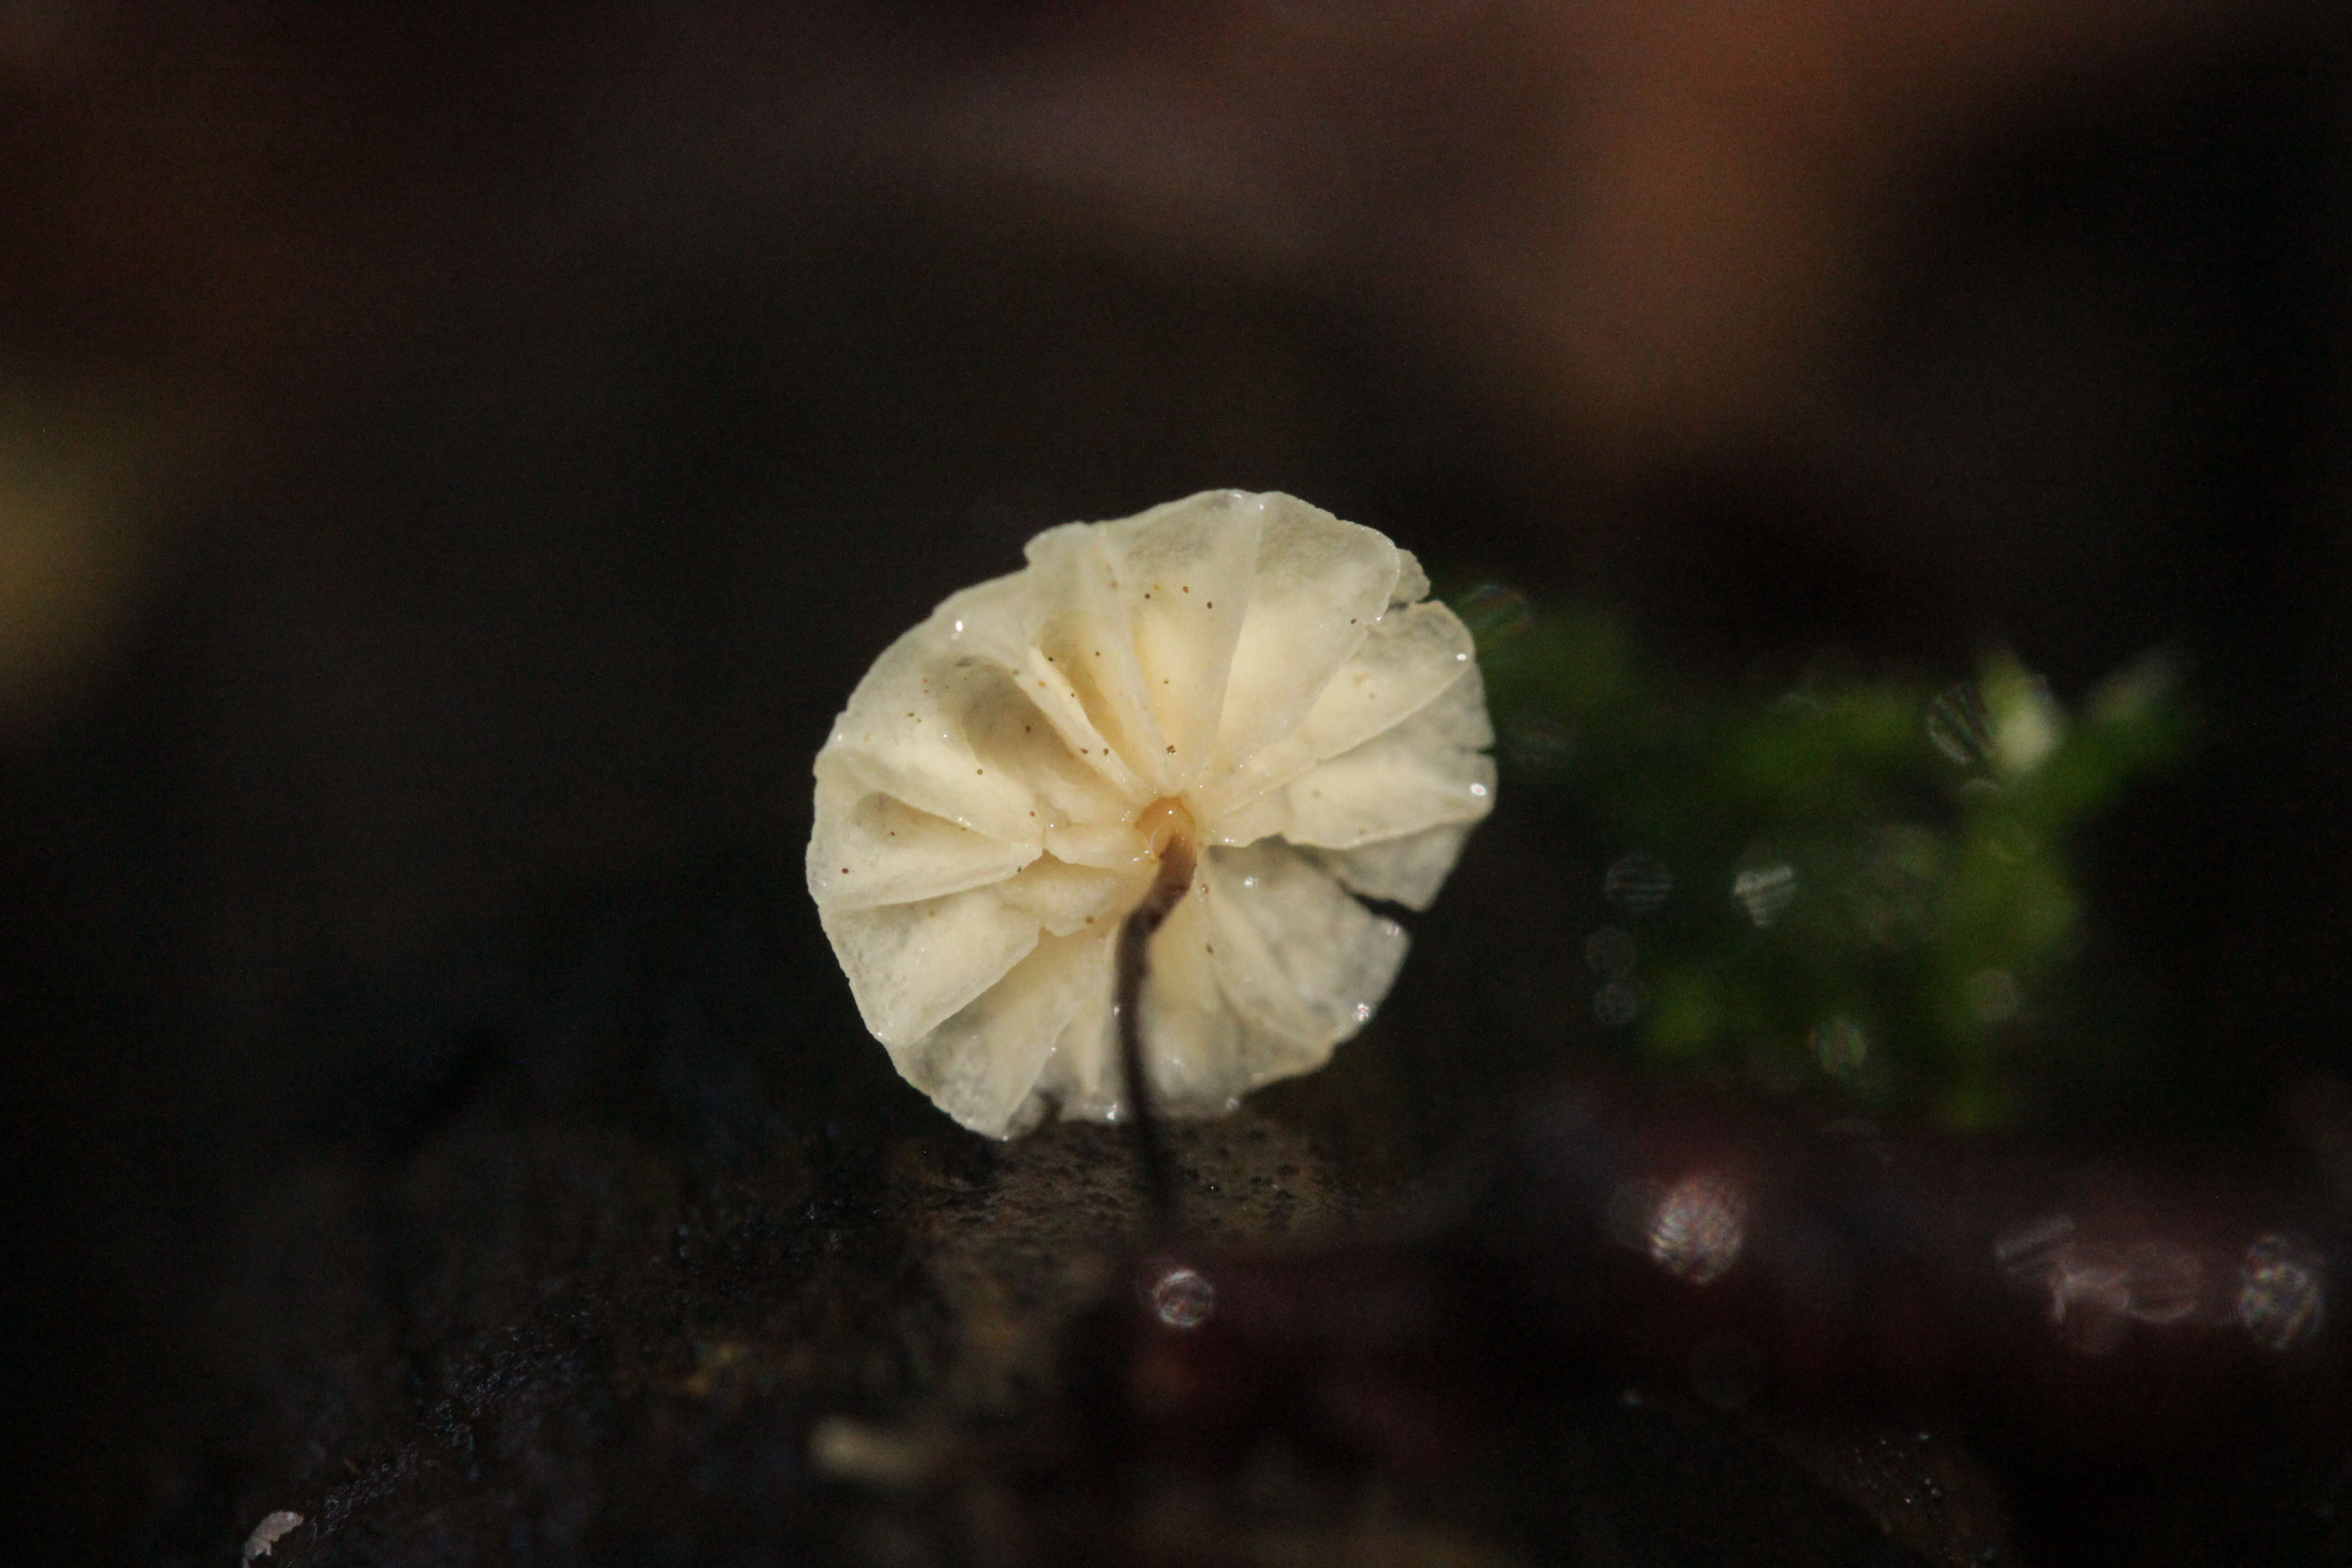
(1863,888)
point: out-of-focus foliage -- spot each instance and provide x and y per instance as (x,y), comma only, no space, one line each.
(1862,886)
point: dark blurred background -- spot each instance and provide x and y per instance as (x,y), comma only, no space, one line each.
(455,460)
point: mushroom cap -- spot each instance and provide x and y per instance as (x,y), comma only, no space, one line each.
(1250,662)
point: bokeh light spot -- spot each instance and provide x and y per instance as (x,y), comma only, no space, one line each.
(1610,954)
(1637,883)
(1764,891)
(1183,1298)
(1698,1227)
(1617,1004)
(1957,724)
(1992,995)
(2167,1282)
(2280,1292)
(1841,1047)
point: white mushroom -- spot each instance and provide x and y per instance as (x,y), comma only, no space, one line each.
(1240,692)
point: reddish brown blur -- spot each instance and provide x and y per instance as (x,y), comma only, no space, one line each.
(1656,220)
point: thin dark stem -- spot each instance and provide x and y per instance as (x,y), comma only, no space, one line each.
(1135,933)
